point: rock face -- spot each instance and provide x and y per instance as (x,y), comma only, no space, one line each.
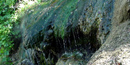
(49,31)
(97,15)
(115,50)
(75,32)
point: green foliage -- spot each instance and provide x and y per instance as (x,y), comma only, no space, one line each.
(8,18)
(6,23)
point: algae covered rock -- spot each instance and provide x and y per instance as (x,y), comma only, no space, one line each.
(69,32)
(52,29)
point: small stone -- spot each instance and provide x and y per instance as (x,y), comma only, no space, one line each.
(26,62)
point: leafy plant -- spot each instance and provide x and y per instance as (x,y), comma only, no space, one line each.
(6,24)
(9,17)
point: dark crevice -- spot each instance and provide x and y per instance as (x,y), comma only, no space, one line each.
(56,46)
(16,39)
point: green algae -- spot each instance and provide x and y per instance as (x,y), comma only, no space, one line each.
(57,14)
(62,19)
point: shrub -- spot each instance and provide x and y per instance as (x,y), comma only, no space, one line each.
(6,23)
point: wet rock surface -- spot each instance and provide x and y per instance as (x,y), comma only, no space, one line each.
(54,29)
(75,32)
(26,62)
